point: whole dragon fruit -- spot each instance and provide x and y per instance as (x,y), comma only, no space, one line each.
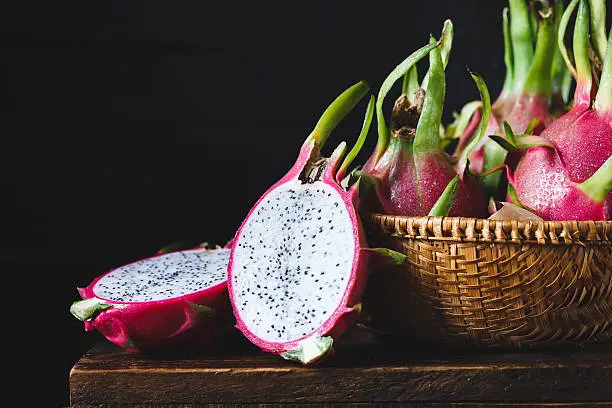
(583,137)
(299,263)
(566,174)
(409,170)
(169,300)
(525,102)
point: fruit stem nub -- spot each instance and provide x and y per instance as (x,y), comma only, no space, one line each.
(310,349)
(87,308)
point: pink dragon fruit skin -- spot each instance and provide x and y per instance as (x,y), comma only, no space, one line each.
(546,188)
(581,155)
(182,321)
(401,194)
(551,180)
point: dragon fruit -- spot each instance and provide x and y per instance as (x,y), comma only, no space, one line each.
(526,96)
(409,169)
(583,137)
(300,260)
(169,300)
(566,173)
(547,190)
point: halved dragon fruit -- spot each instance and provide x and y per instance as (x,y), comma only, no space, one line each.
(169,300)
(298,267)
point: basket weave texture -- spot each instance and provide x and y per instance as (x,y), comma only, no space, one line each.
(510,284)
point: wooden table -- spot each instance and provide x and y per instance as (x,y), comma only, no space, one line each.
(358,375)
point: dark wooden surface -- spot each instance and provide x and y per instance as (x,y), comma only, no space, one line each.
(360,374)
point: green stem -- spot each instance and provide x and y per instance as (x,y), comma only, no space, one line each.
(522,40)
(203,310)
(448,33)
(411,83)
(494,155)
(539,80)
(581,48)
(443,205)
(533,20)
(599,184)
(388,256)
(598,27)
(446,44)
(427,137)
(566,86)
(565,19)
(514,196)
(397,73)
(508,58)
(509,132)
(561,76)
(360,140)
(405,82)
(337,110)
(174,247)
(521,142)
(464,118)
(484,121)
(603,100)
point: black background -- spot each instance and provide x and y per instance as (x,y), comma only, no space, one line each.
(134,124)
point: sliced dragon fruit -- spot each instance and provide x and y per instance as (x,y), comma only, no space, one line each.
(168,300)
(299,263)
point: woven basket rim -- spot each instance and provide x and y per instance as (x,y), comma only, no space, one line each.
(468,229)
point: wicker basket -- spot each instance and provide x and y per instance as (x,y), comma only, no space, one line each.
(492,283)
